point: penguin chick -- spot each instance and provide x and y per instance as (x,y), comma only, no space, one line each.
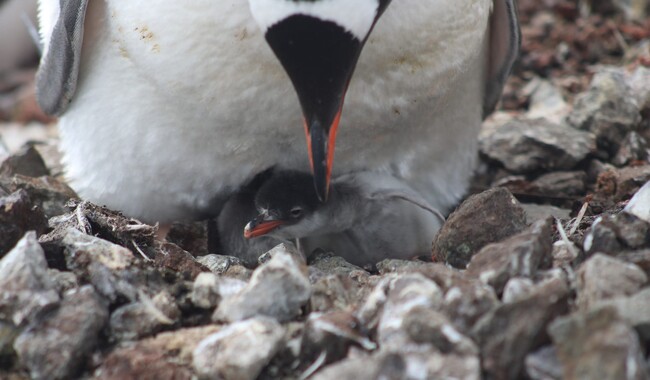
(368,217)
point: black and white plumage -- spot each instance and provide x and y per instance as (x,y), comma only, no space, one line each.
(368,217)
(166,110)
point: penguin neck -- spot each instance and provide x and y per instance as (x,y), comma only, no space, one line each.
(343,208)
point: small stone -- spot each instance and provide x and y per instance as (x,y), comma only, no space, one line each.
(143,318)
(49,193)
(546,101)
(208,289)
(64,280)
(560,184)
(639,205)
(466,303)
(27,162)
(167,356)
(425,325)
(110,268)
(225,265)
(633,148)
(608,109)
(330,264)
(277,289)
(25,286)
(526,146)
(461,237)
(517,288)
(336,292)
(238,351)
(55,346)
(18,214)
(543,364)
(535,212)
(612,234)
(598,345)
(392,300)
(332,334)
(518,256)
(640,258)
(508,332)
(178,260)
(602,277)
(564,253)
(634,310)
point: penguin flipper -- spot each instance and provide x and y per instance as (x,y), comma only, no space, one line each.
(56,80)
(503,49)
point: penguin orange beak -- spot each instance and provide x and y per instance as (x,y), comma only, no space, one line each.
(260,226)
(320,58)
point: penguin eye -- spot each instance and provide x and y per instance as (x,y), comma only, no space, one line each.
(296,212)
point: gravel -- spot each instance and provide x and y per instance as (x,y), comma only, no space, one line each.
(541,273)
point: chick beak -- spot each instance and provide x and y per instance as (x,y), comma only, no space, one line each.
(261,225)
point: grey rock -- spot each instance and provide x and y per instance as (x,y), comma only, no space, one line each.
(209,289)
(640,258)
(277,289)
(508,332)
(543,364)
(25,286)
(110,268)
(167,356)
(461,237)
(598,345)
(466,303)
(416,366)
(27,161)
(518,256)
(535,212)
(332,334)
(634,147)
(239,351)
(639,205)
(8,333)
(529,145)
(634,310)
(18,214)
(228,266)
(337,292)
(517,288)
(602,277)
(333,265)
(608,109)
(143,318)
(560,184)
(55,346)
(613,234)
(49,193)
(427,326)
(546,100)
(405,295)
(64,280)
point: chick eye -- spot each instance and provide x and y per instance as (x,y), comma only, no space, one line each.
(296,212)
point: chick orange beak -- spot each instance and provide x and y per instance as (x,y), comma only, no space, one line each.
(261,226)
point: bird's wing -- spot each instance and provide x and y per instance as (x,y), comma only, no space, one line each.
(56,80)
(505,40)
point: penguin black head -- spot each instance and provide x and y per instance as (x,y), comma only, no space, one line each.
(318,42)
(284,200)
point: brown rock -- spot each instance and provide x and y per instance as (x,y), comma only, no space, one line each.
(602,277)
(168,356)
(178,260)
(530,145)
(517,256)
(510,331)
(461,237)
(55,346)
(598,345)
(27,162)
(18,214)
(50,194)
(467,302)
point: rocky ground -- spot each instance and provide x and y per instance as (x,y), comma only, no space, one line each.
(541,274)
